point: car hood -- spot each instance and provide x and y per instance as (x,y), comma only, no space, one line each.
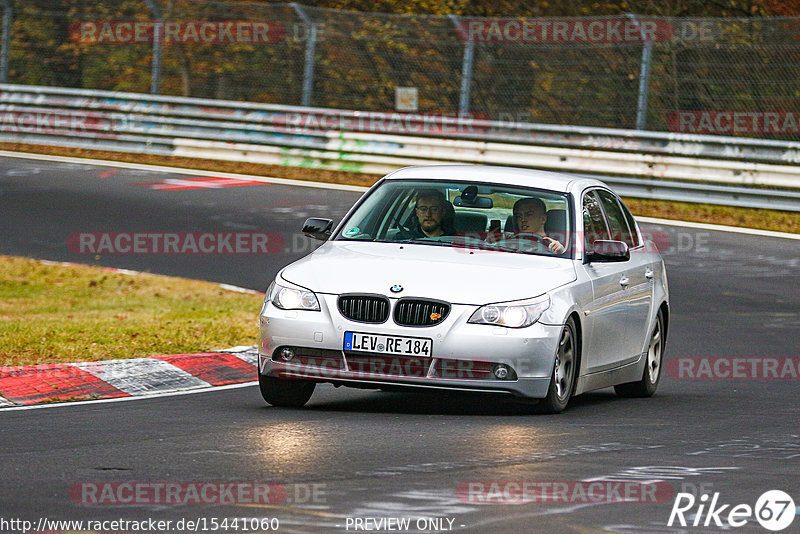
(456,275)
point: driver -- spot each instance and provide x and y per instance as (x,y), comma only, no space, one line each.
(433,217)
(530,214)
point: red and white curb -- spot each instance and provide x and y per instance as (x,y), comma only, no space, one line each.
(35,384)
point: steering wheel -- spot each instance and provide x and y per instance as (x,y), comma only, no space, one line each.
(531,236)
(404,233)
(530,240)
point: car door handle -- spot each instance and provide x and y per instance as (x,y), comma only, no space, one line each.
(624,281)
(648,274)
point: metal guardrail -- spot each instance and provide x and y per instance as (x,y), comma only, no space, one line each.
(745,197)
(647,164)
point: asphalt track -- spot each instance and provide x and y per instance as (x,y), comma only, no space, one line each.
(379,455)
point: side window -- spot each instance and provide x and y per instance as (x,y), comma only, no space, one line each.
(398,211)
(631,224)
(616,219)
(594,224)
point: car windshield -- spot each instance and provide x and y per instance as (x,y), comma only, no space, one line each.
(484,216)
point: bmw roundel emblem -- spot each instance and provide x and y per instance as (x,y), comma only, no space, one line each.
(397,288)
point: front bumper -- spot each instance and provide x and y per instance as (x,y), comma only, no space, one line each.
(457,348)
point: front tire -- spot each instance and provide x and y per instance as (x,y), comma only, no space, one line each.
(651,375)
(285,393)
(565,369)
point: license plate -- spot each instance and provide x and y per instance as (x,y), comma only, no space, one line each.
(399,345)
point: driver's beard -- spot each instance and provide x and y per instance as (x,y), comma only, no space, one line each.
(430,226)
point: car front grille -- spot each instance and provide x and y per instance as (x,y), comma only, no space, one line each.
(420,312)
(364,308)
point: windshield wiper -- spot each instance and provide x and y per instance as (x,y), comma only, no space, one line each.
(486,246)
(422,241)
(480,245)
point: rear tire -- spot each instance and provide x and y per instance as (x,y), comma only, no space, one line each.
(651,375)
(285,393)
(562,381)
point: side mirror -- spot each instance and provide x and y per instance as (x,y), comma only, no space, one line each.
(608,251)
(316,228)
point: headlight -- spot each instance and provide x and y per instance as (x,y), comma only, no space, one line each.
(288,298)
(512,315)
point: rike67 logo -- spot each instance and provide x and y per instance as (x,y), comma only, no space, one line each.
(774,510)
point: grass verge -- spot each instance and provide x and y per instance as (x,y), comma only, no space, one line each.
(764,219)
(59,314)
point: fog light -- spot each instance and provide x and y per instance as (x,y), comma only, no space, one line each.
(501,372)
(287,354)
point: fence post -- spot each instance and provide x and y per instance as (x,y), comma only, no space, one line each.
(311,46)
(5,50)
(644,78)
(158,42)
(466,70)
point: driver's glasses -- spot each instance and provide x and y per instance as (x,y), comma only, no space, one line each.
(433,210)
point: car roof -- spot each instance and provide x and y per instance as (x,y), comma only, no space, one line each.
(553,181)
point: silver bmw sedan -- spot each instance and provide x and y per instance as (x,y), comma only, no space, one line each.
(493,280)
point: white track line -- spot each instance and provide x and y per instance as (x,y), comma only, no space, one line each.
(125,399)
(226,287)
(719,227)
(238,289)
(181,170)
(342,187)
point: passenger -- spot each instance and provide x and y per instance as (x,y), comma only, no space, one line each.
(434,215)
(530,214)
